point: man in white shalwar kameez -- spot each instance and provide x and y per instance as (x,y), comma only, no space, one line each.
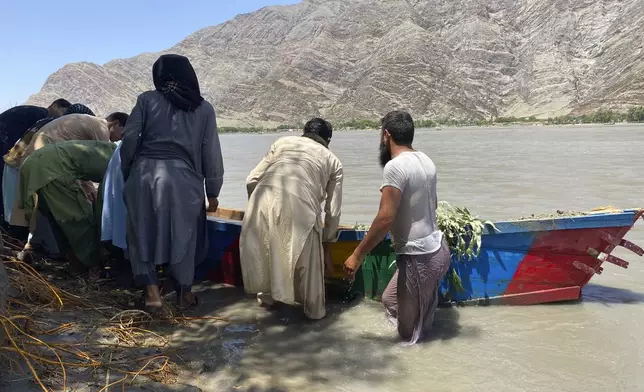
(283,241)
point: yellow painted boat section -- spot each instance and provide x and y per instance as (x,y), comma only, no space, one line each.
(339,250)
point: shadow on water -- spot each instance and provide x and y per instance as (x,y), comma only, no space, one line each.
(446,326)
(606,295)
(280,350)
(255,388)
(595,293)
(252,349)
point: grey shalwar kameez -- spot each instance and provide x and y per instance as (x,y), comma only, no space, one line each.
(167,154)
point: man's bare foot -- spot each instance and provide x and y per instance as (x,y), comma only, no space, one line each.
(152,301)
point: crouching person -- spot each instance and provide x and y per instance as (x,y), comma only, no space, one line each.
(53,173)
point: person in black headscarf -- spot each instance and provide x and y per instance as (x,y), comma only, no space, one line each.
(174,76)
(170,147)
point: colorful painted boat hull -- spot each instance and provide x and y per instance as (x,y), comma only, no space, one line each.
(541,261)
(522,263)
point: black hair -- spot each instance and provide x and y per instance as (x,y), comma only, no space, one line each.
(400,126)
(79,108)
(118,116)
(61,103)
(319,127)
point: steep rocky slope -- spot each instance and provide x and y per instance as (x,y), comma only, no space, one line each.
(357,59)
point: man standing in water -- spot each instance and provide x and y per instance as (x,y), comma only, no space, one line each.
(283,244)
(408,209)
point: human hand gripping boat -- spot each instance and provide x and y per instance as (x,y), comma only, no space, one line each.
(520,262)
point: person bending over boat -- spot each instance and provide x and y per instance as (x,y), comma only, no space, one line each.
(408,209)
(283,245)
(16,141)
(110,206)
(170,146)
(14,123)
(112,211)
(57,108)
(53,172)
(75,124)
(13,156)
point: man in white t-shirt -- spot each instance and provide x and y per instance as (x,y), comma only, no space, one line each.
(408,210)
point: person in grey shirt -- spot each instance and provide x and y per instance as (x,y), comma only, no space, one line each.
(408,210)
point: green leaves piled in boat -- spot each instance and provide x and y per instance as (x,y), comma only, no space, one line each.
(455,280)
(462,230)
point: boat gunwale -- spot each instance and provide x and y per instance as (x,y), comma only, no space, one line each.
(624,218)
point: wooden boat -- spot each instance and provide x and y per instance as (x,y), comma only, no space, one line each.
(521,263)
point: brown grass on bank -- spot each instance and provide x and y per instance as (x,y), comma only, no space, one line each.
(113,337)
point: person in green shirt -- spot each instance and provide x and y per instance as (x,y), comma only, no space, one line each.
(53,173)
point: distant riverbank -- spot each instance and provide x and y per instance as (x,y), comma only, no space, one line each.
(259,131)
(633,116)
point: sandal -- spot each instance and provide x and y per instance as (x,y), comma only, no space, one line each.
(153,310)
(193,305)
(30,256)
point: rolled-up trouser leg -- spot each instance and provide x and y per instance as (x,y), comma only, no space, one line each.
(408,302)
(390,298)
(419,278)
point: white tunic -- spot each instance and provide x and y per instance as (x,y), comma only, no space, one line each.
(282,232)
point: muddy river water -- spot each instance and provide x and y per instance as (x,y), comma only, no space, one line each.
(594,345)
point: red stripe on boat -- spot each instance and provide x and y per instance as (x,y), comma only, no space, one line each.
(553,263)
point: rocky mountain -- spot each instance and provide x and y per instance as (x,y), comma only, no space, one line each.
(358,59)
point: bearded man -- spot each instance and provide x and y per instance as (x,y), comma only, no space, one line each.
(408,210)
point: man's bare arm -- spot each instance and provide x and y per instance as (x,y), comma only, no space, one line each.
(389,202)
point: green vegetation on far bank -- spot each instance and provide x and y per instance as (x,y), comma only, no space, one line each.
(634,115)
